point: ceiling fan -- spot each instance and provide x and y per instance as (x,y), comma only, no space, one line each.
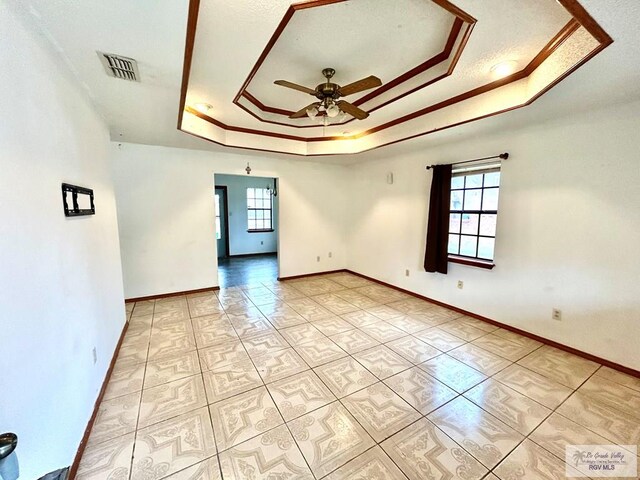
(329,93)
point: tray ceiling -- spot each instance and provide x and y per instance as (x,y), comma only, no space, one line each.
(434,58)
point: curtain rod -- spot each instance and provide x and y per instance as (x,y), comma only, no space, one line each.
(503,156)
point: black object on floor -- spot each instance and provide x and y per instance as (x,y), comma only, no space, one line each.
(247,270)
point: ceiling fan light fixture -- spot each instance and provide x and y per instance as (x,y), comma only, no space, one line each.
(333,110)
(312,112)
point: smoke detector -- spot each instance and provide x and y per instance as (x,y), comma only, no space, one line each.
(121,67)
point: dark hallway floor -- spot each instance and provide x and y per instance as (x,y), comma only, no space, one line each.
(234,271)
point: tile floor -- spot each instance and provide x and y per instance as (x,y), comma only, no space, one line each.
(337,377)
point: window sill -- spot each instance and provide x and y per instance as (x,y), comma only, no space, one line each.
(266,230)
(472,262)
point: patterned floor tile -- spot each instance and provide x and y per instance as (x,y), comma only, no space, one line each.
(421,391)
(116,417)
(332,326)
(613,394)
(481,434)
(221,332)
(452,373)
(282,315)
(171,399)
(209,469)
(272,455)
(354,341)
(168,346)
(517,338)
(252,328)
(335,304)
(382,331)
(271,341)
(222,355)
(480,359)
(242,417)
(309,310)
(273,366)
(301,334)
(380,411)
(477,323)
(412,349)
(422,451)
(107,460)
(125,379)
(208,322)
(329,437)
(300,394)
(533,462)
(560,366)
(320,352)
(620,378)
(439,339)
(384,312)
(382,361)
(409,324)
(461,330)
(204,305)
(357,299)
(360,318)
(171,368)
(170,329)
(373,464)
(144,307)
(539,388)
(345,376)
(516,410)
(172,445)
(230,380)
(503,347)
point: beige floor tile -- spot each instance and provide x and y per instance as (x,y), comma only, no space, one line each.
(480,359)
(619,377)
(332,326)
(439,339)
(382,361)
(410,306)
(360,318)
(481,434)
(171,399)
(477,323)
(383,331)
(300,394)
(603,419)
(384,312)
(171,368)
(373,464)
(613,394)
(222,355)
(172,445)
(125,379)
(208,469)
(301,334)
(345,376)
(169,329)
(229,380)
(409,324)
(204,305)
(423,451)
(354,341)
(309,310)
(319,352)
(116,417)
(272,455)
(516,410)
(413,349)
(271,341)
(223,332)
(133,353)
(452,373)
(329,437)
(273,366)
(107,460)
(503,347)
(168,346)
(380,411)
(462,330)
(144,307)
(535,386)
(530,461)
(242,417)
(421,391)
(252,328)
(335,304)
(282,315)
(517,338)
(356,299)
(560,366)
(208,322)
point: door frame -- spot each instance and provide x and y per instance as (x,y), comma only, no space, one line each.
(226,214)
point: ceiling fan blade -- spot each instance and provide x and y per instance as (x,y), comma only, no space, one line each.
(364,84)
(295,86)
(352,110)
(303,111)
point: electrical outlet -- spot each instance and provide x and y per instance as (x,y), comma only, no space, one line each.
(460,284)
(406,272)
(556,314)
(95,356)
(330,254)
(318,258)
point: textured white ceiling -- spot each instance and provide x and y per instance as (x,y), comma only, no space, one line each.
(153,32)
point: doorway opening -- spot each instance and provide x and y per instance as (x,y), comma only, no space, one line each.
(246,229)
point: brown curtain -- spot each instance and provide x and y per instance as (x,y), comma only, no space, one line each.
(435,256)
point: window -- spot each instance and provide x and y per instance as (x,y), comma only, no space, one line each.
(474,212)
(259,212)
(218,233)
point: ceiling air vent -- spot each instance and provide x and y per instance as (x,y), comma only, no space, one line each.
(120,67)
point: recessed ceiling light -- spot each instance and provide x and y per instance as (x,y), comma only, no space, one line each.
(203,107)
(502,69)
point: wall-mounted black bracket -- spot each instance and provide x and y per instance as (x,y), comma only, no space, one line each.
(70,200)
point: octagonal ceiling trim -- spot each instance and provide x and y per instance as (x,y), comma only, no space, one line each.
(585,38)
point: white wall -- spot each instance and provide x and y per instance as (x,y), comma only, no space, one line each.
(166,212)
(242,242)
(568,229)
(60,278)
